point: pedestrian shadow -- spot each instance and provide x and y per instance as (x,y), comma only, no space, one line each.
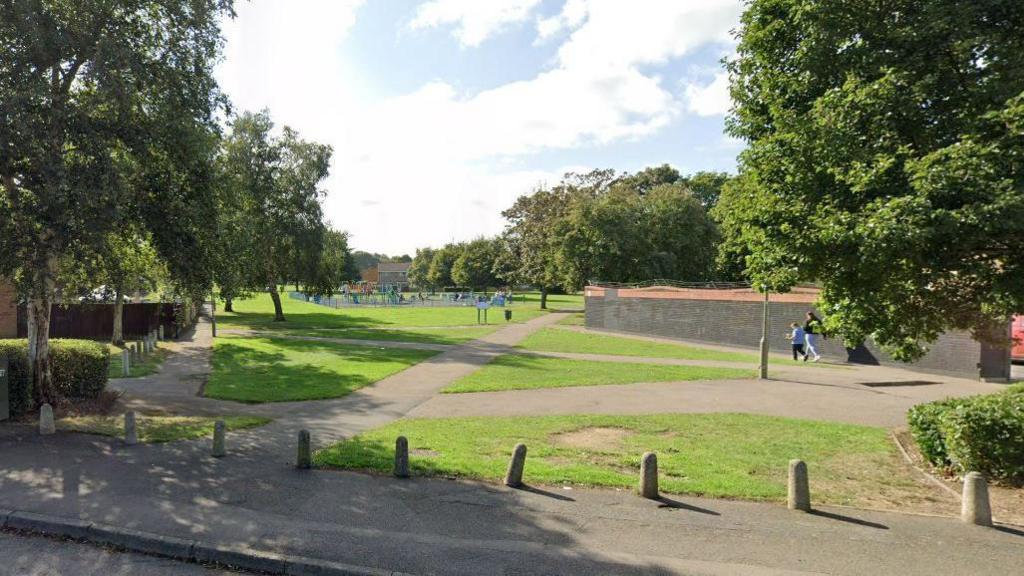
(670,503)
(850,519)
(548,493)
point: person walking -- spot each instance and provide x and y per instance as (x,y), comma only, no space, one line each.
(797,338)
(812,326)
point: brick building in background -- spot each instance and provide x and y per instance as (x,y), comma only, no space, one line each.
(393,274)
(732,316)
(8,310)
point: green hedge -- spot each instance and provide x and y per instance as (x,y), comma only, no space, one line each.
(975,434)
(79,370)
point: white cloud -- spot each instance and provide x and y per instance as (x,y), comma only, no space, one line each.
(474,20)
(436,163)
(711,99)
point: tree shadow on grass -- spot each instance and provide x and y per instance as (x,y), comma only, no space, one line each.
(246,374)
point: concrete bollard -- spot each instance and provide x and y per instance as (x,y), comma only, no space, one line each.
(126,363)
(401,457)
(976,508)
(160,331)
(649,475)
(142,349)
(154,340)
(304,458)
(219,449)
(514,475)
(134,347)
(46,423)
(799,497)
(131,433)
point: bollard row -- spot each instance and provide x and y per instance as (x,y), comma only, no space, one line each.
(976,508)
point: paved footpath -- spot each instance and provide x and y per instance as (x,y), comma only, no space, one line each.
(255,499)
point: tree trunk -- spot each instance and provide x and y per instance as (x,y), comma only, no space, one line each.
(39,332)
(543,298)
(227,305)
(278,311)
(117,337)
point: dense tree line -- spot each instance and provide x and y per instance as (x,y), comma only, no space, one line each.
(595,226)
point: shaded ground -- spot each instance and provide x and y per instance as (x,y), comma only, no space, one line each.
(25,555)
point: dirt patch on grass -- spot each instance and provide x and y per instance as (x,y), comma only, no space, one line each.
(424,452)
(599,439)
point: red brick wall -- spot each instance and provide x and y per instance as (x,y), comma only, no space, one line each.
(8,310)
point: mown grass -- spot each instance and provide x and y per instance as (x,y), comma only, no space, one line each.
(558,340)
(574,319)
(429,335)
(262,369)
(150,364)
(155,429)
(440,325)
(520,372)
(718,455)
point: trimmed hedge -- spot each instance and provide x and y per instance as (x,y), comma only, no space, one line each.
(975,434)
(79,370)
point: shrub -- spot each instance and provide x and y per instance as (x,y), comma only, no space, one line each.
(79,367)
(20,386)
(79,370)
(979,433)
(987,435)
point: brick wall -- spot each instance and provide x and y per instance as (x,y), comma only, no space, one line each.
(8,310)
(736,320)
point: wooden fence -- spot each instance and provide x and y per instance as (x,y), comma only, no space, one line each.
(96,321)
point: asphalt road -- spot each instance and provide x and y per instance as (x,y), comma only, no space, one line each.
(40,556)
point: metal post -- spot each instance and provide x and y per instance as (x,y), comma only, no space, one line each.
(763,369)
(213,315)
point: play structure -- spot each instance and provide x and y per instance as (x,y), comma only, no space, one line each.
(364,294)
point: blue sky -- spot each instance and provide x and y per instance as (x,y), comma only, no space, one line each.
(441,112)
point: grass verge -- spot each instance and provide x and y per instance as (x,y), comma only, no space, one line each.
(263,369)
(149,365)
(154,429)
(515,372)
(429,335)
(718,455)
(257,313)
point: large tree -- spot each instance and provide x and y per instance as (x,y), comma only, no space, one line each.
(439,273)
(106,118)
(475,265)
(273,185)
(885,161)
(420,267)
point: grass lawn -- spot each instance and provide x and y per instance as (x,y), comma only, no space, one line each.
(574,319)
(413,324)
(282,370)
(429,335)
(718,455)
(554,300)
(557,340)
(158,428)
(514,372)
(149,364)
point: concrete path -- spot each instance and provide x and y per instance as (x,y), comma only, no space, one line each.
(256,498)
(873,396)
(425,526)
(25,555)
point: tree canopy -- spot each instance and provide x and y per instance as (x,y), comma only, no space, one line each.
(108,120)
(885,161)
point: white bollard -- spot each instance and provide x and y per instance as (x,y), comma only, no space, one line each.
(976,508)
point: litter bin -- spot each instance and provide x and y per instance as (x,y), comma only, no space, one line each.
(508,315)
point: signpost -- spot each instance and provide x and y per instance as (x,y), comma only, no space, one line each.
(5,400)
(482,306)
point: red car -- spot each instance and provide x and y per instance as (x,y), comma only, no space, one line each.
(1018,335)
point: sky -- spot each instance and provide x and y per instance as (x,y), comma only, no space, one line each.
(442,112)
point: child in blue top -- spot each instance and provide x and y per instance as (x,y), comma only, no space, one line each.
(797,337)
